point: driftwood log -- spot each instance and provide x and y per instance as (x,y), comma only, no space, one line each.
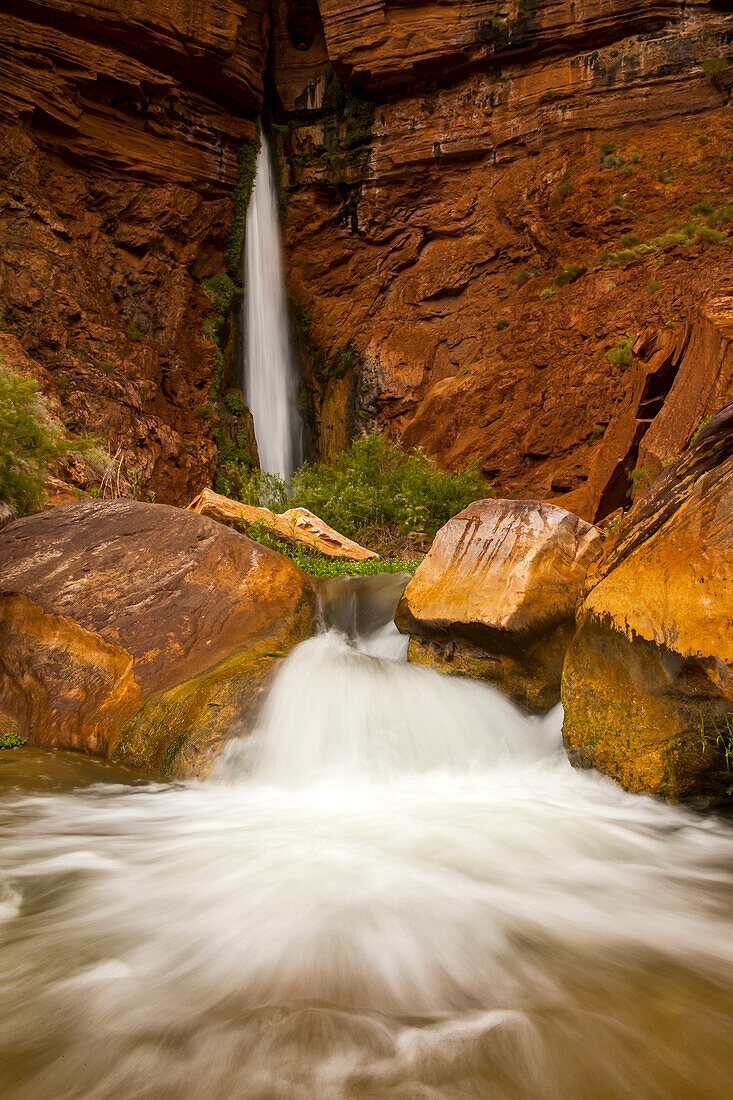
(297,525)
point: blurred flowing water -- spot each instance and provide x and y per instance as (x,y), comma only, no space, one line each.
(397,888)
(269,373)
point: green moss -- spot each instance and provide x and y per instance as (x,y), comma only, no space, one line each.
(247,161)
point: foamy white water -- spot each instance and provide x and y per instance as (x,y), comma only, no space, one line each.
(269,373)
(397,888)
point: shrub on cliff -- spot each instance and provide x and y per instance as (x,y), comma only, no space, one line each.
(30,440)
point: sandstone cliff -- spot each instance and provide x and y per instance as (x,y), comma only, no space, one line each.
(481,203)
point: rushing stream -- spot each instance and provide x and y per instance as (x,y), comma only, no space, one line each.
(397,888)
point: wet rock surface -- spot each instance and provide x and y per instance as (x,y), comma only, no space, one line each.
(648,679)
(140,632)
(496,596)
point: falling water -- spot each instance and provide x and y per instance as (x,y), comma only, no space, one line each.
(269,375)
(398,887)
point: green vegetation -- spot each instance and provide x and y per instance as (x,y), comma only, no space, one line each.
(568,275)
(641,478)
(319,566)
(718,738)
(521,277)
(502,323)
(247,160)
(619,201)
(564,189)
(702,423)
(563,278)
(373,493)
(653,286)
(714,67)
(30,441)
(349,116)
(10,740)
(621,353)
(132,332)
(495,30)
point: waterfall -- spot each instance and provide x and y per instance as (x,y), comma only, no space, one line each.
(269,374)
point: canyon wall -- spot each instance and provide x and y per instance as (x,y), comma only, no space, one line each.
(506,225)
(120,124)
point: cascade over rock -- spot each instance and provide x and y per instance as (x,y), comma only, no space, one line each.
(497,593)
(139,632)
(648,679)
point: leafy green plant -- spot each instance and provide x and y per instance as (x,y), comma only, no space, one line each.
(373,491)
(11,740)
(640,478)
(521,277)
(310,561)
(621,353)
(502,323)
(719,738)
(135,473)
(547,292)
(30,442)
(132,332)
(653,286)
(619,201)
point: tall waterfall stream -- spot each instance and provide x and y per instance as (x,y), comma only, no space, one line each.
(269,373)
(397,888)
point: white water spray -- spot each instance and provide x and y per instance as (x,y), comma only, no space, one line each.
(269,374)
(398,887)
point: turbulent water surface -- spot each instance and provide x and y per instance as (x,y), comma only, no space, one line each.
(397,888)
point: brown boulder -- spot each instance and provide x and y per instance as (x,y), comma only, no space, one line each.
(497,593)
(140,632)
(648,680)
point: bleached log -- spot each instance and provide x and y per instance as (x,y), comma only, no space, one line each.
(297,525)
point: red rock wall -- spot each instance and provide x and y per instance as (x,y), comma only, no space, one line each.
(119,125)
(415,253)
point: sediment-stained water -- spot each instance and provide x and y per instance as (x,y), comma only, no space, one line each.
(397,888)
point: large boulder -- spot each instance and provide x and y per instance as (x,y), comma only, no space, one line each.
(496,596)
(648,680)
(140,632)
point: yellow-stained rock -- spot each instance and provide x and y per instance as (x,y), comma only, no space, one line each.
(141,632)
(648,680)
(497,593)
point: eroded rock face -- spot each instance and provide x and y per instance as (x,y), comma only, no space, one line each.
(502,152)
(140,632)
(648,679)
(497,593)
(120,125)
